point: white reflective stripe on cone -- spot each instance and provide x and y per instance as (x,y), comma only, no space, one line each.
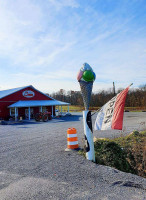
(72,143)
(71,135)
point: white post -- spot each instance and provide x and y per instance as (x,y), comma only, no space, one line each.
(29,113)
(41,109)
(90,154)
(52,111)
(68,109)
(58,111)
(15,114)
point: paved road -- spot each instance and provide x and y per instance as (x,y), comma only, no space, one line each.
(34,165)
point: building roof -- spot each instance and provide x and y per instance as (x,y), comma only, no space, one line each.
(4,93)
(35,103)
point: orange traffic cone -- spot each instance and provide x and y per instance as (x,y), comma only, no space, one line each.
(72,140)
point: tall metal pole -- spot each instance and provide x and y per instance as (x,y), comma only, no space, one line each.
(114,93)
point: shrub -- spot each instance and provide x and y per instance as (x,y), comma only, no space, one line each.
(127,154)
(111,154)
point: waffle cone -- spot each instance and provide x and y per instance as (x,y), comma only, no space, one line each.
(86,90)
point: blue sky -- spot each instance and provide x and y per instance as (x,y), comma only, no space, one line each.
(44,43)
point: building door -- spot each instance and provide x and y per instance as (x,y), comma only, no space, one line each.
(27,113)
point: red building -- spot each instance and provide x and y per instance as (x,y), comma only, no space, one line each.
(26,102)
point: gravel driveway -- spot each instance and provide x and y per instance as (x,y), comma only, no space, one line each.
(34,165)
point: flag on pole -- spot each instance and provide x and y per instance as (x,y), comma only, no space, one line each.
(110,116)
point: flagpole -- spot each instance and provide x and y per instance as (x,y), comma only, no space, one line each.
(96,111)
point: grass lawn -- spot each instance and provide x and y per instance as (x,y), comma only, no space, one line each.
(81,108)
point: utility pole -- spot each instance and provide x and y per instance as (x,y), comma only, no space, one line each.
(114,93)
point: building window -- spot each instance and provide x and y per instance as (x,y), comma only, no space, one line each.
(12,111)
(43,109)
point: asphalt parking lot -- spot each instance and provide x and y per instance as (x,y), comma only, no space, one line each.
(34,165)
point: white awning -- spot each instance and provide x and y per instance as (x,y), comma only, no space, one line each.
(36,103)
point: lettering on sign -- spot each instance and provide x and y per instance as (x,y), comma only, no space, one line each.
(28,94)
(109,111)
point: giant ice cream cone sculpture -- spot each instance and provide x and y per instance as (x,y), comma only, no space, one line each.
(86,89)
(86,77)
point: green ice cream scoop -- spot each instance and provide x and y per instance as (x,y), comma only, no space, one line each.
(88,76)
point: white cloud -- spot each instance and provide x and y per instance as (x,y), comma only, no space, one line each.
(17,27)
(24,39)
(48,41)
(64,3)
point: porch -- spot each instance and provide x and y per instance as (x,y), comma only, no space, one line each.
(30,108)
